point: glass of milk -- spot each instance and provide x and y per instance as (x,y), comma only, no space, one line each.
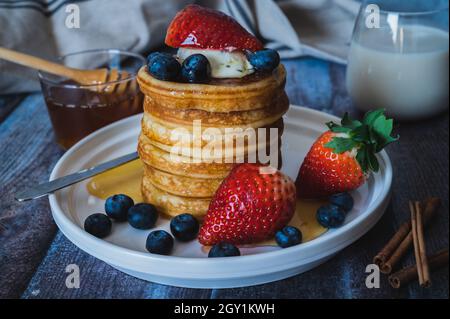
(399,58)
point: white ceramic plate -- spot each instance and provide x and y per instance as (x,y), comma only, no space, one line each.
(188,266)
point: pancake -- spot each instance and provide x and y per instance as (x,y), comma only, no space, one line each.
(180,185)
(171,134)
(224,97)
(172,205)
(254,118)
(182,166)
(218,152)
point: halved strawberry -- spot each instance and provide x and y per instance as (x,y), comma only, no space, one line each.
(203,28)
(249,207)
(341,159)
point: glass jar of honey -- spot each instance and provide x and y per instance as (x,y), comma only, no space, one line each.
(77,110)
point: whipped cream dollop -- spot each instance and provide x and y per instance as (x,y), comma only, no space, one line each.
(223,64)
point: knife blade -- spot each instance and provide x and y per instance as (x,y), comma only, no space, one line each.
(65,181)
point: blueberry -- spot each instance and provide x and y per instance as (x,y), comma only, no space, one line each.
(184,227)
(265,60)
(196,69)
(155,55)
(98,225)
(224,250)
(163,66)
(343,200)
(142,216)
(331,216)
(159,242)
(288,236)
(116,207)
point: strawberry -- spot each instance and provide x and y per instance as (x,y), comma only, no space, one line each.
(342,158)
(203,28)
(249,207)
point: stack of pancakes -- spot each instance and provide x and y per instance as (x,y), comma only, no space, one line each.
(184,163)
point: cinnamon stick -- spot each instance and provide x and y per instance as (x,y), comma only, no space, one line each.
(410,274)
(390,247)
(422,247)
(412,207)
(399,244)
(398,254)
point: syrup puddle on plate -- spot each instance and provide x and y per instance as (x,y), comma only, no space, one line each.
(126,179)
(305,220)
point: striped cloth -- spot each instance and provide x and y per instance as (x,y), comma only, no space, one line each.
(321,28)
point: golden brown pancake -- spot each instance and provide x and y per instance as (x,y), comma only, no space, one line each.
(254,118)
(182,165)
(180,185)
(170,134)
(219,96)
(173,205)
(157,158)
(219,153)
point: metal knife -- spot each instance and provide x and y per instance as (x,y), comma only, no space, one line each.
(59,183)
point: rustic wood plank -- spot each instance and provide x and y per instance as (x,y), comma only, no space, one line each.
(27,156)
(97,279)
(8,103)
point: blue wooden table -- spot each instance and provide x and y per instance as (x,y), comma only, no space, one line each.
(34,254)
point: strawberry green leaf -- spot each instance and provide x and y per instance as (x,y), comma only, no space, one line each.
(341,129)
(332,125)
(349,123)
(337,128)
(369,137)
(379,142)
(361,133)
(362,158)
(383,126)
(341,145)
(346,120)
(372,161)
(372,116)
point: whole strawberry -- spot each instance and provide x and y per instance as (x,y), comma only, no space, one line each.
(203,28)
(249,207)
(343,157)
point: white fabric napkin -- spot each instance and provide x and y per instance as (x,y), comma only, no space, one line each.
(321,28)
